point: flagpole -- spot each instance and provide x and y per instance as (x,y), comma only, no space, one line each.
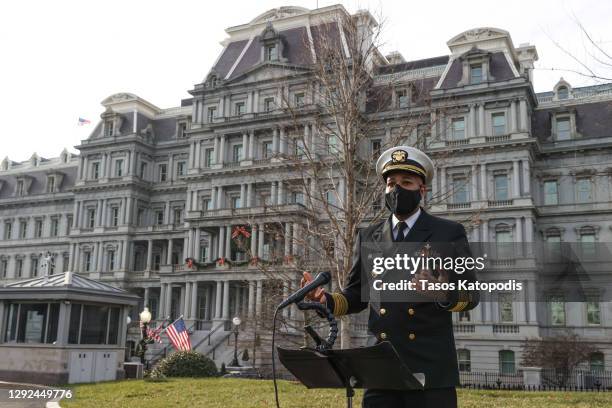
(180,317)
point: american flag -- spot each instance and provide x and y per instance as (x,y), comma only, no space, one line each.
(177,332)
(155,333)
(83,121)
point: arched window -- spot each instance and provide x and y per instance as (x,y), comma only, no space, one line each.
(562,92)
(464,360)
(596,361)
(506,362)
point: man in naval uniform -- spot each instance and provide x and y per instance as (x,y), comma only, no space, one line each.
(421,332)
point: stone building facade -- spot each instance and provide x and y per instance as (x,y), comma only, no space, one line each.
(152,187)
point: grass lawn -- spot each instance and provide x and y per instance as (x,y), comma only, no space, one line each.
(241,393)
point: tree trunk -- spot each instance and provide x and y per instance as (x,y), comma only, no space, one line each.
(345,332)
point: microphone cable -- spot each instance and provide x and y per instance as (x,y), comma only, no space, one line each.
(273,357)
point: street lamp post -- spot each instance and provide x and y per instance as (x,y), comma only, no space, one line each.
(236,321)
(145,319)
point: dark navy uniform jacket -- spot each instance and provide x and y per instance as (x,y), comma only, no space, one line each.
(421,332)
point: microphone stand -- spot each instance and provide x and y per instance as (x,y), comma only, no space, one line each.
(324,346)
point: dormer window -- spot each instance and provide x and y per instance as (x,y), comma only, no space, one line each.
(108,128)
(563,128)
(272,45)
(402,98)
(20,188)
(562,92)
(271,52)
(51,184)
(475,74)
(475,67)
(182,127)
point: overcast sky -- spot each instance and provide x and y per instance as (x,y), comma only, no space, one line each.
(59,59)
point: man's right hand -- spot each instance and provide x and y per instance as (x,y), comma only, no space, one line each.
(316,295)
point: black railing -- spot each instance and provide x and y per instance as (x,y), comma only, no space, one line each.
(491,380)
(551,380)
(590,379)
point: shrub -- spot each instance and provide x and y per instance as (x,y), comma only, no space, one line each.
(155,376)
(187,364)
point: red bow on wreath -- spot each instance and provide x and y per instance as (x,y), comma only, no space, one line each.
(222,261)
(240,230)
(190,263)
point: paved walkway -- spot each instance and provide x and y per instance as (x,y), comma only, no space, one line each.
(7,402)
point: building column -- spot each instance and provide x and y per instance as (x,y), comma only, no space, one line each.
(288,239)
(222,149)
(168,302)
(258,297)
(283,141)
(169,255)
(516,185)
(216,151)
(218,299)
(125,255)
(245,146)
(483,182)
(474,184)
(149,254)
(528,229)
(242,195)
(296,231)
(219,198)
(443,186)
(221,240)
(481,120)
(226,296)
(249,194)
(194,300)
(472,121)
(198,153)
(254,229)
(519,229)
(513,118)
(275,141)
(523,115)
(485,230)
(273,193)
(260,246)
(186,299)
(160,305)
(281,193)
(526,177)
(251,299)
(252,144)
(196,244)
(285,295)
(228,242)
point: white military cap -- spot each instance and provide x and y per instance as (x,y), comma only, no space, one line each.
(405,158)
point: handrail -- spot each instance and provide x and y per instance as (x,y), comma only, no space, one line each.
(208,337)
(220,342)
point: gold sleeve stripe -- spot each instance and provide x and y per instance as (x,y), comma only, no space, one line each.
(458,307)
(340,304)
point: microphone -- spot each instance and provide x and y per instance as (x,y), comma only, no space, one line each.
(321,279)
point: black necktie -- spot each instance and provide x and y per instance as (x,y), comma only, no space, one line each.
(401,227)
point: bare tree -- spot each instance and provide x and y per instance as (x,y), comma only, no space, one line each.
(564,353)
(594,62)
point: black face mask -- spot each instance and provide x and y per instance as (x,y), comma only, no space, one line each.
(402,201)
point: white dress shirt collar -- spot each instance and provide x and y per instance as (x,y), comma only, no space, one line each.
(409,221)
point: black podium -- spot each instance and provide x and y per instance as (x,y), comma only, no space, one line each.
(375,367)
